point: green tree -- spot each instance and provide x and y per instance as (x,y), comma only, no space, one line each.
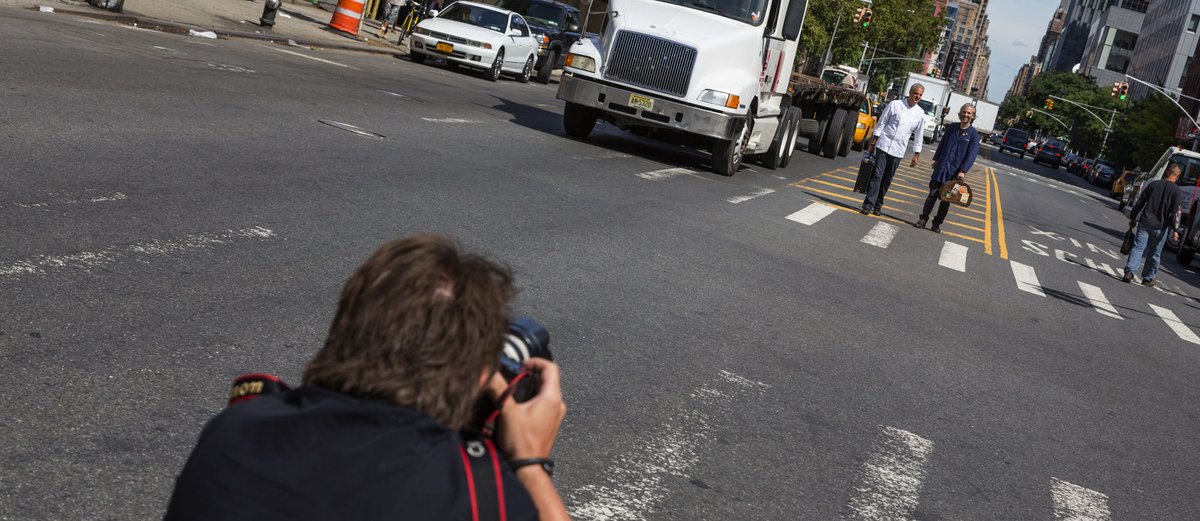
(904,27)
(1147,130)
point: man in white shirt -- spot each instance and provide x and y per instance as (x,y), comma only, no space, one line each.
(900,119)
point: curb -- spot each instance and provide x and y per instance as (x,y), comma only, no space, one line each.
(182,29)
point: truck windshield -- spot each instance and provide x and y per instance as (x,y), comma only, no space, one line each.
(752,12)
(927,106)
(1190,167)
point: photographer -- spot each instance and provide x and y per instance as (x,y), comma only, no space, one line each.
(373,433)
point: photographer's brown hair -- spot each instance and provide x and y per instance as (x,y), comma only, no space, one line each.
(416,325)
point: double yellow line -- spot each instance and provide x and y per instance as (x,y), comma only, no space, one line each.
(993,189)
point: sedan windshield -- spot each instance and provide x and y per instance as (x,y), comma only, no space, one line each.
(752,12)
(477,16)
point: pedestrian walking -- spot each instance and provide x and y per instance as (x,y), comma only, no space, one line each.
(390,15)
(955,155)
(1155,214)
(900,119)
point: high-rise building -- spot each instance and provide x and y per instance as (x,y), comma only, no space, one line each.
(1065,53)
(963,46)
(1020,85)
(1112,40)
(1050,40)
(1165,46)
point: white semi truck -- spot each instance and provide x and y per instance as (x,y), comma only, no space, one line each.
(707,73)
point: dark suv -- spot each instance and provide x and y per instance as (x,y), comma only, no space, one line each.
(1014,140)
(555,25)
(1050,153)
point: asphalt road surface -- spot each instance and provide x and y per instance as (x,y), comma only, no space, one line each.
(176,213)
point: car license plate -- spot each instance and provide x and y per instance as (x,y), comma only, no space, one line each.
(641,101)
(444,47)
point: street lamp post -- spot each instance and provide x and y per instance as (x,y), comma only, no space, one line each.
(1160,90)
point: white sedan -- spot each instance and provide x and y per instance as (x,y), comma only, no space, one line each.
(480,36)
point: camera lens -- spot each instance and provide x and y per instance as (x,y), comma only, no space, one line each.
(526,339)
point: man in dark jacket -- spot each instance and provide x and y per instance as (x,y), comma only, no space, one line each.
(374,431)
(955,155)
(1156,213)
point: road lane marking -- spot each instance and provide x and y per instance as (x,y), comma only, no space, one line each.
(449,120)
(881,235)
(99,198)
(1175,324)
(891,479)
(1000,218)
(610,155)
(1075,503)
(88,260)
(811,214)
(666,173)
(1102,267)
(1096,296)
(954,256)
(987,207)
(313,58)
(757,193)
(643,475)
(1026,278)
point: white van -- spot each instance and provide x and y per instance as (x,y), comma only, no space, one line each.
(1189,162)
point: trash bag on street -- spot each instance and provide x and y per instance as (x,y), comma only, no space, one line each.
(956,191)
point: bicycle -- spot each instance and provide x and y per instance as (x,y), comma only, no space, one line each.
(416,13)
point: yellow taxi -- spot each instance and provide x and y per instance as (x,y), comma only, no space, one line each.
(1118,186)
(865,126)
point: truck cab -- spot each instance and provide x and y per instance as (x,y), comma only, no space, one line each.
(707,73)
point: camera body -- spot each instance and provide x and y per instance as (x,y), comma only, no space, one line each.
(526,339)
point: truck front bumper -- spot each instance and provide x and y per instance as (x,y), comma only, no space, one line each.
(664,113)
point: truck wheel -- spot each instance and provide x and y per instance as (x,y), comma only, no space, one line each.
(814,141)
(727,154)
(578,120)
(793,131)
(833,138)
(543,75)
(848,138)
(774,157)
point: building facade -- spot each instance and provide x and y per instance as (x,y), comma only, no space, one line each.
(1113,38)
(1166,45)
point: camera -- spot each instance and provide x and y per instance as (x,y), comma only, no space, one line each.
(526,339)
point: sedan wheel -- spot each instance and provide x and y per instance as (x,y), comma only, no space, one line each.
(493,74)
(527,71)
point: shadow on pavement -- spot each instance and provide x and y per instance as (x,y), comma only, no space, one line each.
(1119,235)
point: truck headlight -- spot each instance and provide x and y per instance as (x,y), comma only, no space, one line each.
(723,99)
(582,63)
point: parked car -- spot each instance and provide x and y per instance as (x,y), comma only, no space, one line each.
(1015,140)
(555,26)
(865,126)
(480,36)
(1084,168)
(996,138)
(1050,153)
(1102,173)
(1118,186)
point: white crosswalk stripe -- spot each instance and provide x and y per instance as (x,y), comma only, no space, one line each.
(812,214)
(881,235)
(1175,324)
(954,256)
(1075,503)
(891,478)
(666,173)
(1026,278)
(1096,296)
(743,198)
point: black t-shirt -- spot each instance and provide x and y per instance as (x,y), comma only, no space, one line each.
(315,454)
(1158,206)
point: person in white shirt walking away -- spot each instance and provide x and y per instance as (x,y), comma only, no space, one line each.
(900,119)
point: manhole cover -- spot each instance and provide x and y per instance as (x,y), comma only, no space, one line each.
(351,128)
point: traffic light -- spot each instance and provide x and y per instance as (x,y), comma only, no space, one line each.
(1049,104)
(1123,92)
(859,14)
(866,18)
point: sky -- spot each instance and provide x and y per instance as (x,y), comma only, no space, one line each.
(1014,34)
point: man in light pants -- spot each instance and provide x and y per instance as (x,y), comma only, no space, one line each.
(1156,214)
(900,119)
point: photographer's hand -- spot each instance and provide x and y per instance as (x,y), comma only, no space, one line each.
(528,430)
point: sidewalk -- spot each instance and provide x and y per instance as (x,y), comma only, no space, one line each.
(300,21)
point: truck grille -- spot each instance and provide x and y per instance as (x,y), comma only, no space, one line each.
(651,62)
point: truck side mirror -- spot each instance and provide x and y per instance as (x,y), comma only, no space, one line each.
(572,28)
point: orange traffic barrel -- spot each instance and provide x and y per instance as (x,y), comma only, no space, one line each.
(348,15)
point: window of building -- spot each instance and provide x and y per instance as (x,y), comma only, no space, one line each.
(1193,23)
(1135,5)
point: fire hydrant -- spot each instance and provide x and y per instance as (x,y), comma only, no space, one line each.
(270,9)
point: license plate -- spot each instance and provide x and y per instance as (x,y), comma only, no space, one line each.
(641,101)
(445,47)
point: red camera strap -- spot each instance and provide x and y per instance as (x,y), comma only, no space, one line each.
(485,482)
